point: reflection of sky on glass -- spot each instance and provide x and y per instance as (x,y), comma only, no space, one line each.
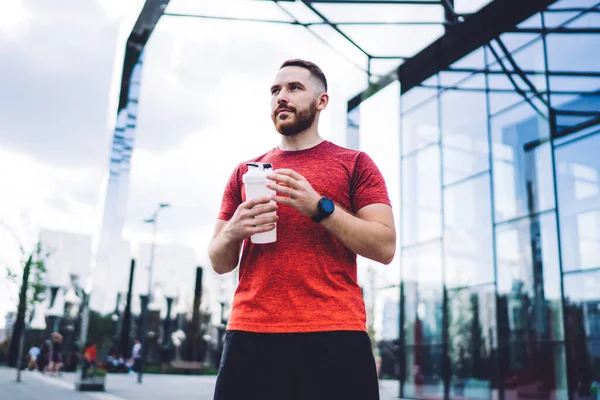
(578,174)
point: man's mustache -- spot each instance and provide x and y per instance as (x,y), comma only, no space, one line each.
(285,108)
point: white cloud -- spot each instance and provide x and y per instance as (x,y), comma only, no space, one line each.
(14,19)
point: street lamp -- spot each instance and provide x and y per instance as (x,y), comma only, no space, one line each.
(152,220)
(145,300)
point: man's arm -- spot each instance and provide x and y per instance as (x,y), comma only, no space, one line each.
(370,233)
(224,248)
(224,253)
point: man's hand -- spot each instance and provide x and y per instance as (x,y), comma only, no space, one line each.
(247,219)
(294,190)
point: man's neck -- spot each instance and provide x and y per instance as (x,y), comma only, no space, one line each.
(301,141)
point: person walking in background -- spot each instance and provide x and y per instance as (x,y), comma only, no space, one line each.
(136,355)
(56,358)
(33,355)
(298,323)
(89,359)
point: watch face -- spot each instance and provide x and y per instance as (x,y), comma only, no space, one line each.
(327,205)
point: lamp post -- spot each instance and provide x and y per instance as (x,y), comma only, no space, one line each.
(152,220)
(145,300)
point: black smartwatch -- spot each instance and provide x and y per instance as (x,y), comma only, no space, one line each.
(324,209)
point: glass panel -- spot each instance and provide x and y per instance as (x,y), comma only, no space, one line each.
(523,181)
(475,60)
(387,312)
(422,280)
(302,13)
(380,12)
(419,94)
(421,196)
(573,52)
(556,19)
(229,8)
(424,372)
(533,22)
(407,39)
(353,129)
(465,140)
(468,233)
(529,280)
(582,299)
(469,6)
(534,370)
(420,127)
(589,20)
(578,180)
(472,336)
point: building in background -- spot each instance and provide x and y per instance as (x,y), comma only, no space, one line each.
(500,204)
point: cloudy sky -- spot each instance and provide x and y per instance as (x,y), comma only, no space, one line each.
(204,107)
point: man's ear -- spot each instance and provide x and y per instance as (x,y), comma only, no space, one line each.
(323,101)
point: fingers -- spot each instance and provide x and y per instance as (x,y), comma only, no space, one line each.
(262,228)
(271,219)
(291,179)
(248,204)
(280,189)
(289,172)
(262,209)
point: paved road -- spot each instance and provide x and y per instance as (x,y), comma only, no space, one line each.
(124,387)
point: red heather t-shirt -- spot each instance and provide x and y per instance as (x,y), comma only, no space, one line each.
(305,281)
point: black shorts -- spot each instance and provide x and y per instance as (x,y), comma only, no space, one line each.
(297,366)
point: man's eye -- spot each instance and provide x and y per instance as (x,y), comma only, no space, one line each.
(274,92)
(295,87)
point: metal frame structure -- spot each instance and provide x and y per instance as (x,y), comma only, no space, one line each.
(484,31)
(451,19)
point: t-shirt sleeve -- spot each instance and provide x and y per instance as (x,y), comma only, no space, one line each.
(368,185)
(232,196)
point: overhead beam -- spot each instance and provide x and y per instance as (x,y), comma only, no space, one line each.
(491,21)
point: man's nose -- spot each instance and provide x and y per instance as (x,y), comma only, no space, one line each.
(282,97)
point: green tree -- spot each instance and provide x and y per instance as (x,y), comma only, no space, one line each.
(29,277)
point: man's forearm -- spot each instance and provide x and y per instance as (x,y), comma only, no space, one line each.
(370,239)
(224,255)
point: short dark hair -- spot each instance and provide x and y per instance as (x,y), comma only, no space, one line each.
(313,68)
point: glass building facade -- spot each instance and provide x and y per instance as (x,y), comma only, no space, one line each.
(499,217)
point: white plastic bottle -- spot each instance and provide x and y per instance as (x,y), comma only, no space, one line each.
(255,181)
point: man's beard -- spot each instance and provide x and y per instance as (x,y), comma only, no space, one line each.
(303,119)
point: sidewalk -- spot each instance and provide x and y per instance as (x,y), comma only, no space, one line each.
(124,387)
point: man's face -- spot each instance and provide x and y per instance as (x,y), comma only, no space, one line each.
(295,101)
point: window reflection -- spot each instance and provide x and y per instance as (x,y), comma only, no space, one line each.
(418,95)
(582,299)
(353,129)
(422,277)
(423,372)
(421,196)
(523,181)
(529,308)
(471,335)
(465,140)
(529,279)
(468,233)
(578,183)
(420,127)
(569,53)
